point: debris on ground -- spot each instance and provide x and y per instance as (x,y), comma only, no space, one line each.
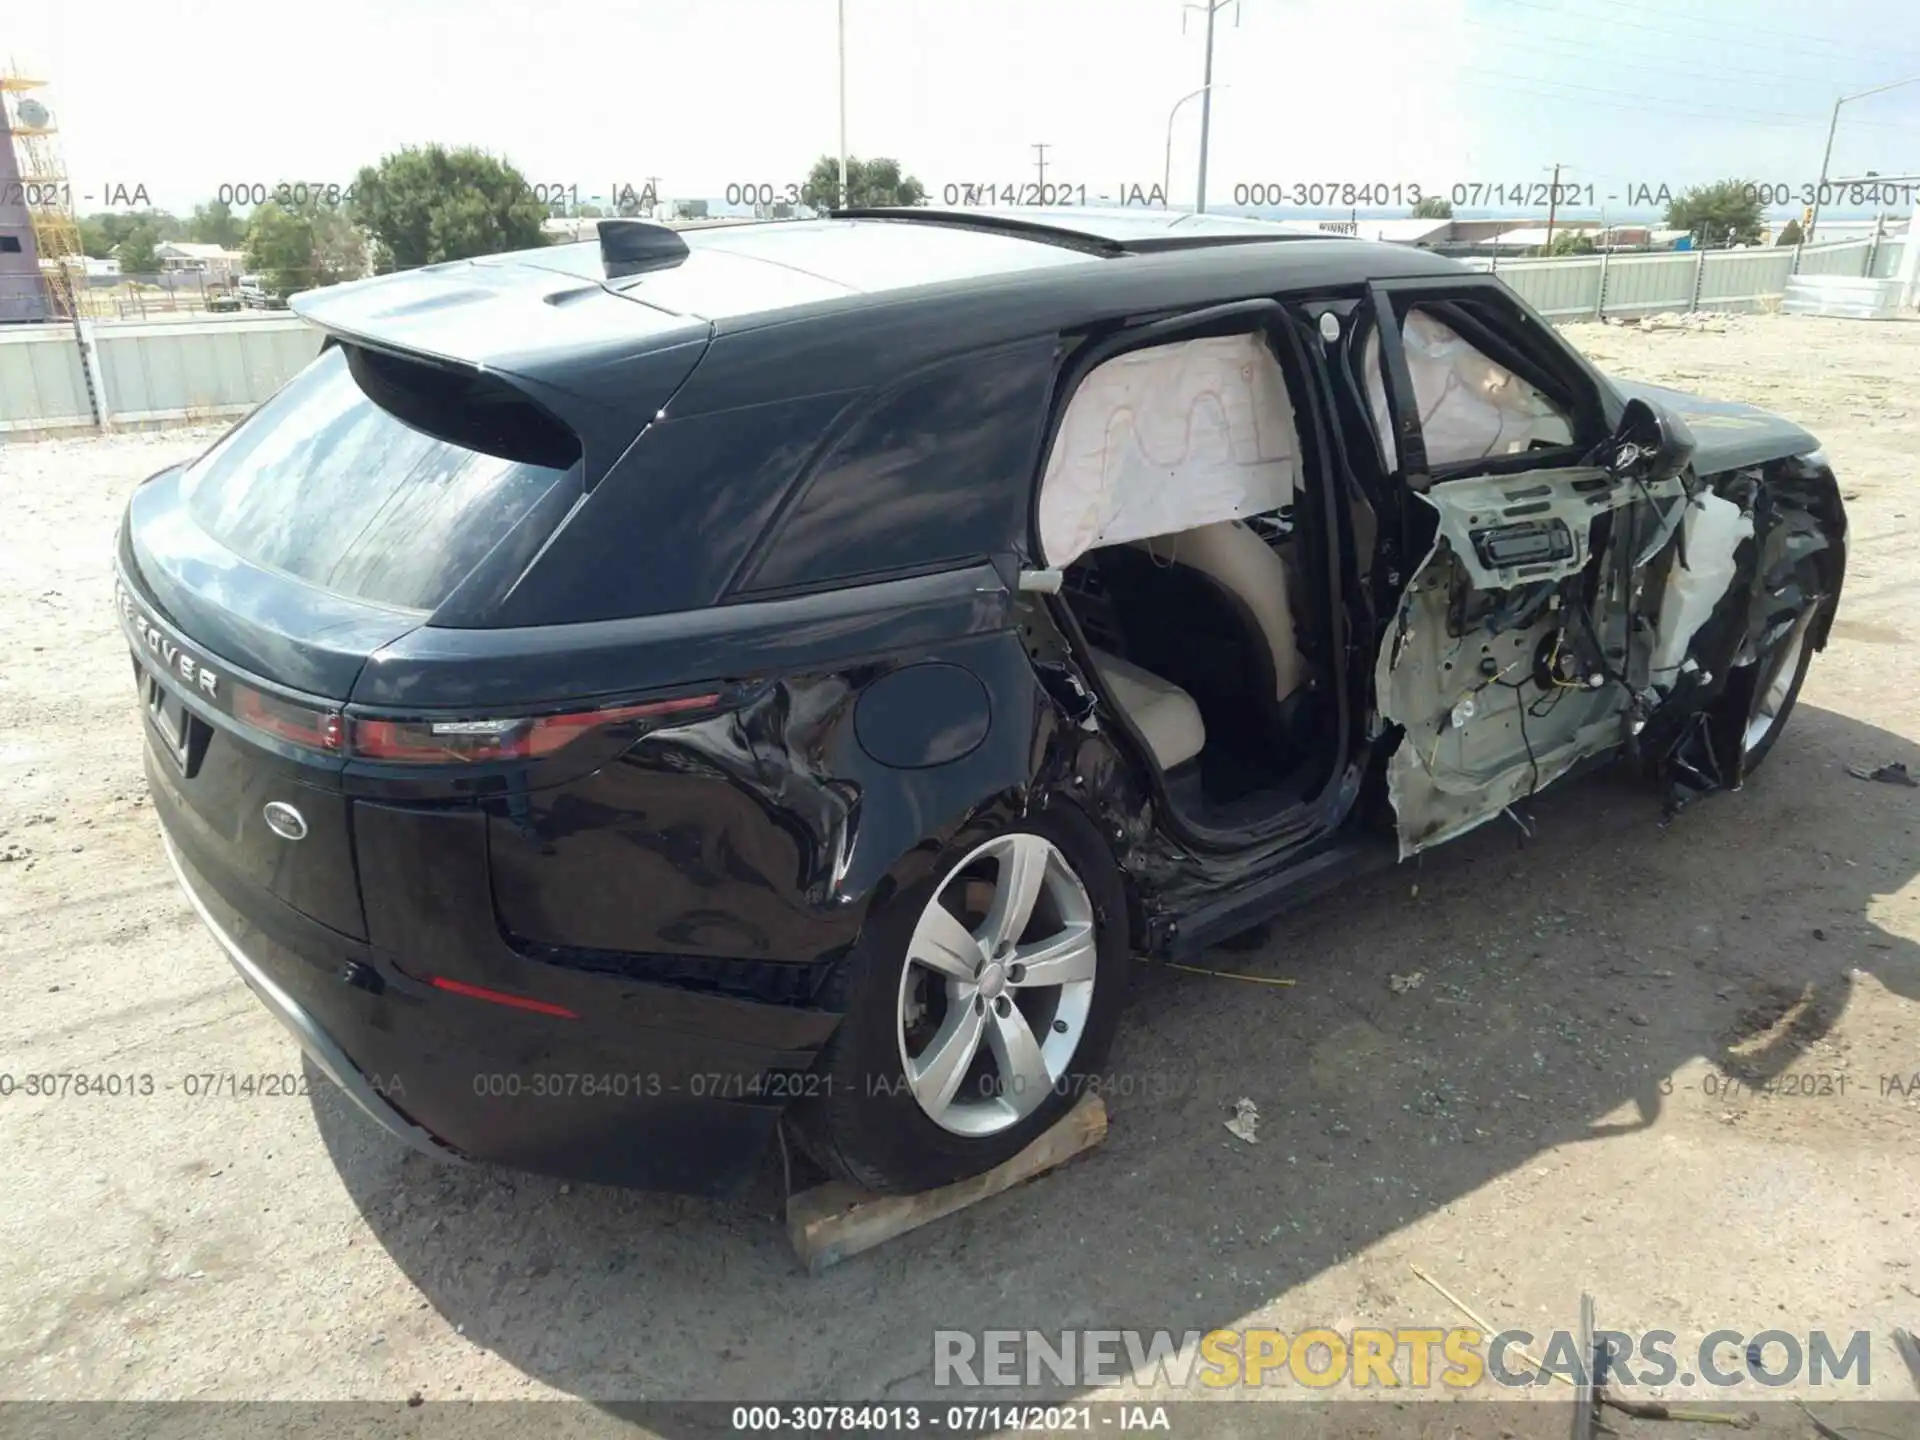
(1696,320)
(1230,974)
(1893,773)
(1401,984)
(1639,1409)
(1246,1120)
(1909,1348)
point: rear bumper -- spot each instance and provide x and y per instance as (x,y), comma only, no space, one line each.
(318,1045)
(603,1097)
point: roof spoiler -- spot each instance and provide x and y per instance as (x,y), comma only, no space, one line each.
(632,247)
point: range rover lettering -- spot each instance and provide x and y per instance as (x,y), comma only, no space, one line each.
(784,674)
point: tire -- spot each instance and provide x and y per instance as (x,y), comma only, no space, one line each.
(1778,677)
(868,1122)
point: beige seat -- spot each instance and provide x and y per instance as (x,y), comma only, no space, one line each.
(1240,562)
(1163,713)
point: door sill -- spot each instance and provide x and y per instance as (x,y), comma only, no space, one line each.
(1298,883)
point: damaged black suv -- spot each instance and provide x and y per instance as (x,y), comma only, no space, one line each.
(624,696)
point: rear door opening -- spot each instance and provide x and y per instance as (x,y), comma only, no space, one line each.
(1179,499)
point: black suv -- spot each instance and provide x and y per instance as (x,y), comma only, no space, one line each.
(621,695)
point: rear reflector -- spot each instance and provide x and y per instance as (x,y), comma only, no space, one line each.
(441,742)
(500,997)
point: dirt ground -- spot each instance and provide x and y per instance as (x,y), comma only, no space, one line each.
(1553,1109)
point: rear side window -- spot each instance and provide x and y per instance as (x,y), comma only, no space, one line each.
(380,479)
(938,471)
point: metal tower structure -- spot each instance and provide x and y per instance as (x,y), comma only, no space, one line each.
(44,188)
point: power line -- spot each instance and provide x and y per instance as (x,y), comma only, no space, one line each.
(1721,38)
(1568,90)
(1718,29)
(1584,49)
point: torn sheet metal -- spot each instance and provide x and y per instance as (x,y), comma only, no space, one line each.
(1167,439)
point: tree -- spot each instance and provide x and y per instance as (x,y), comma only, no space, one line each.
(426,205)
(215,224)
(1432,207)
(1724,213)
(1572,242)
(302,246)
(1789,233)
(136,251)
(869,182)
(95,239)
(102,231)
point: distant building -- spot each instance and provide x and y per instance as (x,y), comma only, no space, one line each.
(1397,232)
(91,270)
(560,229)
(218,265)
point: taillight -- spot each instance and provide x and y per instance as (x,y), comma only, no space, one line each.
(299,724)
(466,742)
(443,742)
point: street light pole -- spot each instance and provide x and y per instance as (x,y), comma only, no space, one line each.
(1813,220)
(1206,114)
(1212,7)
(1166,178)
(845,199)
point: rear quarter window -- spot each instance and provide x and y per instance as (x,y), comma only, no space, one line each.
(937,471)
(379,479)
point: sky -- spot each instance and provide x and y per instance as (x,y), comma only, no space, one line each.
(707,94)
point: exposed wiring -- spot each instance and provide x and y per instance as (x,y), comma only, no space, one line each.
(1447,723)
(1520,706)
(1553,665)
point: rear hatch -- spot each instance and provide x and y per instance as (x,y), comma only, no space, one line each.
(380,489)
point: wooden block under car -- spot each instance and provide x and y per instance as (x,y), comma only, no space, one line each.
(830,1222)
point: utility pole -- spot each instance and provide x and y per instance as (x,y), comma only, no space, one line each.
(845,199)
(1040,163)
(1553,205)
(1212,7)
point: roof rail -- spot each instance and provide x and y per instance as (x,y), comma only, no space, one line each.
(1154,244)
(994,224)
(1089,241)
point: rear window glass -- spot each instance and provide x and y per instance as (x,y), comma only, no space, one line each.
(326,485)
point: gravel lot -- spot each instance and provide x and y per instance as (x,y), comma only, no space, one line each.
(1544,1114)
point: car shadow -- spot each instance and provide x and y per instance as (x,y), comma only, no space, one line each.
(1563,980)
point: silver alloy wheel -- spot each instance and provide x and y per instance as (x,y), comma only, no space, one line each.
(1004,953)
(1785,664)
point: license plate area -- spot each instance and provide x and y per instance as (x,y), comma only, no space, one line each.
(174,730)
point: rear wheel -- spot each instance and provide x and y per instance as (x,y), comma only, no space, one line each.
(977,1004)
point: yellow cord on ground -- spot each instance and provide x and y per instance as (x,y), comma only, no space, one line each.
(1229,974)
